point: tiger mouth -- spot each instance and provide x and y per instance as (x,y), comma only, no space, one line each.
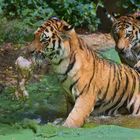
(38,58)
(45,55)
(39,55)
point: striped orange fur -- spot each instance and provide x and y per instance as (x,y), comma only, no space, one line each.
(97,85)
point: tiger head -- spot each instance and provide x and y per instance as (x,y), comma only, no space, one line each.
(126,33)
(49,40)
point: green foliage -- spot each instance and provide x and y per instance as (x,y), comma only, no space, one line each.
(14,31)
(1,5)
(80,13)
(30,11)
(26,16)
(136,3)
(132,5)
(30,14)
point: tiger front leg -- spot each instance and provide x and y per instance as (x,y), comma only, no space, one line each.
(137,66)
(82,109)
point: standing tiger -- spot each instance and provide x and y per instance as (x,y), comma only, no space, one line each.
(126,33)
(96,84)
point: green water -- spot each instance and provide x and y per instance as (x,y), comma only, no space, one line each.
(103,132)
(20,120)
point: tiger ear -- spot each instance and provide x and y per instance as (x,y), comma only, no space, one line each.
(55,18)
(68,27)
(113,17)
(137,15)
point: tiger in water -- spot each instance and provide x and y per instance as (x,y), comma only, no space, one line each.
(97,85)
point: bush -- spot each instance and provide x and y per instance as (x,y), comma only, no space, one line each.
(25,15)
(30,11)
(31,14)
(134,4)
(80,13)
(14,31)
(130,5)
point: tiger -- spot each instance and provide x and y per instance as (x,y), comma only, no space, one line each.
(97,85)
(126,33)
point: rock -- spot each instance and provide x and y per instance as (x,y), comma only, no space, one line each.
(24,69)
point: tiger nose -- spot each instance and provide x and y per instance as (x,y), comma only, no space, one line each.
(121,46)
(120,50)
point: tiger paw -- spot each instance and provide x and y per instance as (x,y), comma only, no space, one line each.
(137,66)
(71,123)
(65,124)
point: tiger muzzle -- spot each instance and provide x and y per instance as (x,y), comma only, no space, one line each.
(122,46)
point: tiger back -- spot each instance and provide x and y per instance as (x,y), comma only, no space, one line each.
(97,85)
